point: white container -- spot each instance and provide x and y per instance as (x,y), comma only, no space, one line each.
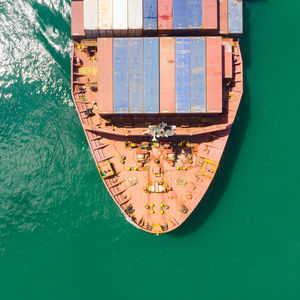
(105,14)
(119,14)
(135,14)
(90,12)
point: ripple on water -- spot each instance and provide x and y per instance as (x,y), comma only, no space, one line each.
(41,139)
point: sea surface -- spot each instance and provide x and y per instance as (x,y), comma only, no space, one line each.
(63,238)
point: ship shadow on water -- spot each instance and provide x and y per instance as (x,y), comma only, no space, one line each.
(222,178)
(232,149)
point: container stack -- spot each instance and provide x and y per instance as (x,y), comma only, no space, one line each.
(137,17)
(231,16)
(105,17)
(160,75)
(168,75)
(90,17)
(77,26)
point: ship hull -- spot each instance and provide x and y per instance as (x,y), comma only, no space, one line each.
(154,192)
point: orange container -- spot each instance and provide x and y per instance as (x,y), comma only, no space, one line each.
(223,8)
(167,74)
(210,14)
(105,75)
(77,18)
(165,14)
(228,63)
(214,74)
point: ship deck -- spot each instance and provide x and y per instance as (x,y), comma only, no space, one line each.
(156,185)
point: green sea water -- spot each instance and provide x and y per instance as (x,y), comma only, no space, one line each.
(63,238)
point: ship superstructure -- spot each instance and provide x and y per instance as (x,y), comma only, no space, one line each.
(157,85)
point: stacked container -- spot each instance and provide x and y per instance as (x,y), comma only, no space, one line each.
(228,58)
(149,14)
(105,17)
(231,16)
(91,22)
(165,14)
(166,75)
(122,17)
(159,75)
(135,17)
(77,19)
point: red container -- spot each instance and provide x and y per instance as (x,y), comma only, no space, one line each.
(228,63)
(77,29)
(167,74)
(105,75)
(214,74)
(210,14)
(223,8)
(165,14)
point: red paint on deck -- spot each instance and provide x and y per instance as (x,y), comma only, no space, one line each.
(228,67)
(210,14)
(105,75)
(223,8)
(167,75)
(214,74)
(77,18)
(165,14)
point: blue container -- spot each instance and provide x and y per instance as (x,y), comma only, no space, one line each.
(151,75)
(235,16)
(120,63)
(136,74)
(194,13)
(150,14)
(179,14)
(198,74)
(183,75)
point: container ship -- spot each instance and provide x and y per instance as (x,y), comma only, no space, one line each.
(157,85)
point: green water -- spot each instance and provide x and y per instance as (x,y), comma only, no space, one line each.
(63,238)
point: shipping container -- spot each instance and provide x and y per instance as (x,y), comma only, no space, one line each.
(210,14)
(194,14)
(167,75)
(135,14)
(136,75)
(105,74)
(120,15)
(120,75)
(183,74)
(151,75)
(228,59)
(235,16)
(165,14)
(90,10)
(214,74)
(179,14)
(150,14)
(117,16)
(105,14)
(223,8)
(77,28)
(198,75)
